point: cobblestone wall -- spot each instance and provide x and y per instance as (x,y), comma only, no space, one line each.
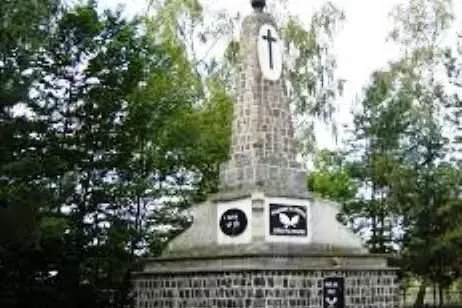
(263,148)
(262,125)
(268,289)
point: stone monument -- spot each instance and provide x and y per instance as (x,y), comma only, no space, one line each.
(263,240)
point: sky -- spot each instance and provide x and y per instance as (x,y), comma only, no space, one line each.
(360,46)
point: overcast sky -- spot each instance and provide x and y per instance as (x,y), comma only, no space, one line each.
(360,49)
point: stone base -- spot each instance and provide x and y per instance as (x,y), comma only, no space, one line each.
(204,268)
(264,282)
(201,239)
(270,175)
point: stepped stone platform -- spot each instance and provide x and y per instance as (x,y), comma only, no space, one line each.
(263,288)
(197,271)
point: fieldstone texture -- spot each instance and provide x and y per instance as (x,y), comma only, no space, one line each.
(264,289)
(262,144)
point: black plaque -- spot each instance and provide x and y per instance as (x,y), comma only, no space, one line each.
(287,220)
(233,222)
(334,292)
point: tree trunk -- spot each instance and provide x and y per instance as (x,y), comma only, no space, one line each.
(382,227)
(419,301)
(441,295)
(374,226)
(404,296)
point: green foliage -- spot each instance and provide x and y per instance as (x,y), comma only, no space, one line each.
(107,148)
(310,65)
(310,68)
(213,125)
(21,192)
(418,24)
(332,178)
(401,159)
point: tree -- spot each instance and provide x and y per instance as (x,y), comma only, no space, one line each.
(103,140)
(21,192)
(421,182)
(378,125)
(364,168)
(332,178)
(313,85)
(401,156)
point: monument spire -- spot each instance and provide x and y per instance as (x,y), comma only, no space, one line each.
(262,154)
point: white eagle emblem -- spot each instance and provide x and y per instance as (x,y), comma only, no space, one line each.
(289,222)
(331,302)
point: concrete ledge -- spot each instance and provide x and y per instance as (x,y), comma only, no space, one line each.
(231,264)
(263,249)
(246,191)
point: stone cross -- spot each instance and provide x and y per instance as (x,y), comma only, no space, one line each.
(262,154)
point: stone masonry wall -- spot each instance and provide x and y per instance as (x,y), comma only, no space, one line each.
(263,148)
(262,125)
(264,289)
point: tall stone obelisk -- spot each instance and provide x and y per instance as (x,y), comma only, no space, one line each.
(263,241)
(262,145)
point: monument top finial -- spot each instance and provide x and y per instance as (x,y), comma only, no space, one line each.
(258,5)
